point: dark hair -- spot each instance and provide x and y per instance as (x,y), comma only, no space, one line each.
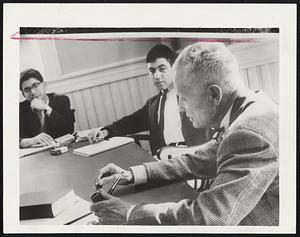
(160,51)
(30,73)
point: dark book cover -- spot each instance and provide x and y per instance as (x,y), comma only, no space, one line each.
(46,204)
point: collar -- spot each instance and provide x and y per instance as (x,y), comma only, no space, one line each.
(226,120)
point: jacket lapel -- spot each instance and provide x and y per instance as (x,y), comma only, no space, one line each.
(240,104)
(154,111)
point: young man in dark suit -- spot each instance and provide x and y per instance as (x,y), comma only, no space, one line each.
(42,116)
(160,115)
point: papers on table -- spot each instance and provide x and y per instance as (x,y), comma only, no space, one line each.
(66,139)
(102,146)
(78,209)
(33,150)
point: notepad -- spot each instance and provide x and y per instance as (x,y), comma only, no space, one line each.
(33,150)
(102,146)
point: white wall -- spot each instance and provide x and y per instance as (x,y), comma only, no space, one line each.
(30,57)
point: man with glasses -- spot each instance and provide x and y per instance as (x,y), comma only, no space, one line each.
(42,116)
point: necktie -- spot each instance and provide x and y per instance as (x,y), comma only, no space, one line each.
(161,116)
(41,115)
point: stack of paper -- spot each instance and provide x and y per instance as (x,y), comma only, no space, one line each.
(32,150)
(102,146)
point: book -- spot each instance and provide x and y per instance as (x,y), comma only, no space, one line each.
(46,204)
(102,146)
(78,214)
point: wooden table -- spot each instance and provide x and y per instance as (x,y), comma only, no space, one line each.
(43,171)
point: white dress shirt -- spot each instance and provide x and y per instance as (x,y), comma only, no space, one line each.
(172,122)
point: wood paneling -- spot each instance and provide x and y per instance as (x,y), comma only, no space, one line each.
(263,77)
(101,105)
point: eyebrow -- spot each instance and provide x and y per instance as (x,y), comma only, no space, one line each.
(161,65)
(31,85)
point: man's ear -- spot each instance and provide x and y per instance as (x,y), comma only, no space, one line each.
(215,94)
(44,84)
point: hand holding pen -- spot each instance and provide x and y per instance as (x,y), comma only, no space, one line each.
(110,172)
(97,196)
(97,135)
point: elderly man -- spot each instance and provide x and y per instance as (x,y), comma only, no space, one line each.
(42,116)
(242,158)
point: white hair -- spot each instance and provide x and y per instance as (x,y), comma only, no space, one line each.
(209,63)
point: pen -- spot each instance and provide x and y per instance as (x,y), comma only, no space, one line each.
(112,188)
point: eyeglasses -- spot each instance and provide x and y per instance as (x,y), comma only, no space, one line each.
(33,86)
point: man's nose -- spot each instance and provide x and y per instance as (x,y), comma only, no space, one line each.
(33,91)
(157,75)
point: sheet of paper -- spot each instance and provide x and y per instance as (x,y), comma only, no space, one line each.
(32,150)
(79,209)
(102,146)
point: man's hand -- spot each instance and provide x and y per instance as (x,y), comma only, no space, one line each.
(111,211)
(97,134)
(110,172)
(42,138)
(37,104)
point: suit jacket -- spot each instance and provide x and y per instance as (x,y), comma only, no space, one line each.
(60,122)
(146,119)
(244,165)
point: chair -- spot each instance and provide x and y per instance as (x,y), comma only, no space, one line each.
(138,137)
(169,152)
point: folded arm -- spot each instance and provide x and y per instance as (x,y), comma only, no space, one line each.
(61,117)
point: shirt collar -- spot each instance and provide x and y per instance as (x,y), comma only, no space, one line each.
(226,120)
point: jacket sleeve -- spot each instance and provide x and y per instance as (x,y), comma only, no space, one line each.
(22,124)
(62,116)
(134,123)
(202,164)
(245,171)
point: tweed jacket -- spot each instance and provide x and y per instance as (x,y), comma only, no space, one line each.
(244,165)
(145,119)
(60,122)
